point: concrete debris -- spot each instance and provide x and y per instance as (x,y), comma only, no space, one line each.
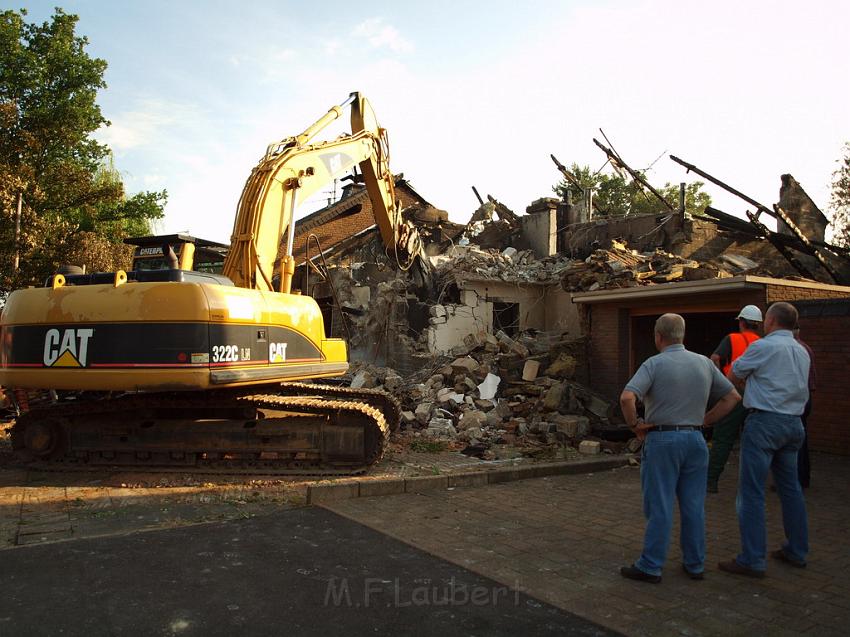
(489,386)
(490,401)
(530,369)
(465,364)
(512,265)
(590,447)
(564,367)
(619,267)
(362,379)
(441,428)
(423,412)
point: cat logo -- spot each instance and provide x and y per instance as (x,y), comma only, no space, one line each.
(277,352)
(68,348)
(336,162)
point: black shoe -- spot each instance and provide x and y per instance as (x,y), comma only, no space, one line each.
(782,556)
(633,572)
(692,575)
(711,487)
(733,567)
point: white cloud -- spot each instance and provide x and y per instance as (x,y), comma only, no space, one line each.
(332,46)
(278,54)
(145,124)
(379,34)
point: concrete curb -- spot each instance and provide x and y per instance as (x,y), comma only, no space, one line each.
(348,488)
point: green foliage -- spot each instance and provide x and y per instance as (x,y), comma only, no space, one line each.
(72,193)
(617,196)
(840,200)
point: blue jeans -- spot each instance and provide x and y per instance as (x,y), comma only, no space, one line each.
(770,441)
(674,464)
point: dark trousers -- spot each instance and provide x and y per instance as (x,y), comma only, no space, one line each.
(803,465)
(723,438)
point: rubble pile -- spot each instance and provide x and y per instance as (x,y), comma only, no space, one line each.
(503,397)
(510,264)
(620,267)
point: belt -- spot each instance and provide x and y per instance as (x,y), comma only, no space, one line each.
(676,428)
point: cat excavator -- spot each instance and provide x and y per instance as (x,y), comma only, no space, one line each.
(177,368)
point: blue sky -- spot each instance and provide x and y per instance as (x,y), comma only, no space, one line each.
(472,93)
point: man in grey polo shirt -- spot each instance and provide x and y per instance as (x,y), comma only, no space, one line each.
(675,387)
(776,370)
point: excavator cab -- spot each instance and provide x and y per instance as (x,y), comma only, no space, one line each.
(177,251)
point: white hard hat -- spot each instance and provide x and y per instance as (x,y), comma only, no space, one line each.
(750,313)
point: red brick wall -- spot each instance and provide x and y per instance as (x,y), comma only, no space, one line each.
(792,293)
(342,227)
(605,350)
(829,422)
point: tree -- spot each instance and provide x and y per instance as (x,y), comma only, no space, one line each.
(617,196)
(840,200)
(48,113)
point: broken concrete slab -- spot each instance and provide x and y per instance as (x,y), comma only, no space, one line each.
(363,379)
(440,427)
(488,388)
(465,364)
(571,425)
(530,369)
(590,447)
(423,412)
(554,396)
(472,418)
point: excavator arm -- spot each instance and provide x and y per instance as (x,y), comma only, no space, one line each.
(290,172)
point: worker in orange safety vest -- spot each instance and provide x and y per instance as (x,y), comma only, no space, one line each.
(726,431)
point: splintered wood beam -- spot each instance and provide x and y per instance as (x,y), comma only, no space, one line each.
(614,157)
(566,173)
(575,182)
(739,225)
(691,168)
(781,247)
(480,200)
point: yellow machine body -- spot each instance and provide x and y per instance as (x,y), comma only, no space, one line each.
(162,336)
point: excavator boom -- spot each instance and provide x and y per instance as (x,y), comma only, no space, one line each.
(290,172)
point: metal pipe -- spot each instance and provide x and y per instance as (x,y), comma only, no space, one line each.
(327,118)
(290,232)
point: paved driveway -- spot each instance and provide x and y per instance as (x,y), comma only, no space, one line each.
(563,539)
(299,572)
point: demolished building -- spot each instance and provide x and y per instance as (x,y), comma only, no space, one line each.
(550,304)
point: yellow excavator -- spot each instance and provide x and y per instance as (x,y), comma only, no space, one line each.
(185,369)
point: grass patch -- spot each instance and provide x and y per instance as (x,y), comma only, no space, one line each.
(428,446)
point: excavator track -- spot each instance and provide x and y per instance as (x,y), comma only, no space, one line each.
(378,398)
(226,431)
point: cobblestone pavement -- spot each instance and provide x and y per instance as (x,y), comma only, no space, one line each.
(45,506)
(562,539)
